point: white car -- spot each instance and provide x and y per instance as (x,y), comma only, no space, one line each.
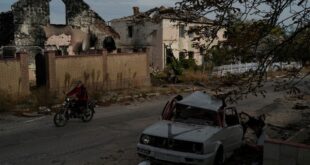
(198,129)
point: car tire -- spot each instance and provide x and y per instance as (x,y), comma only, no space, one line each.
(219,157)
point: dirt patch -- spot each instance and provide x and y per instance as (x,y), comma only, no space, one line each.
(284,118)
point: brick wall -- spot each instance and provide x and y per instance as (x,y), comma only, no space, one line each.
(98,71)
(14,75)
(285,153)
(85,68)
(127,70)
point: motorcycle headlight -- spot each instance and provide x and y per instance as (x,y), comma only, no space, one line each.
(145,139)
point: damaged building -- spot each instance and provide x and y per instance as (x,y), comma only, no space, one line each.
(160,30)
(28,24)
(41,49)
(28,27)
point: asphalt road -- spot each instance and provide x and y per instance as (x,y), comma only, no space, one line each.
(109,139)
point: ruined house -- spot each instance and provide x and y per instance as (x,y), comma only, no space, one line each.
(160,30)
(29,25)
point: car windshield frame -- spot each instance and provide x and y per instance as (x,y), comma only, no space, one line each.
(194,115)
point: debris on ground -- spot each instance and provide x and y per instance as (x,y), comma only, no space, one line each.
(300,106)
(30,114)
(44,110)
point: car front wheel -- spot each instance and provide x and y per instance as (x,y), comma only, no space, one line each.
(219,157)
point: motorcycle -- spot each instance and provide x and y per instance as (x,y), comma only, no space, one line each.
(70,111)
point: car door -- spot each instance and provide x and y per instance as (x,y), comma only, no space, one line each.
(232,130)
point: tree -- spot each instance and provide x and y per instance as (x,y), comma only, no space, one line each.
(255,29)
(298,49)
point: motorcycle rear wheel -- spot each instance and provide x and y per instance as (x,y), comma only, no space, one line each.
(60,119)
(88,115)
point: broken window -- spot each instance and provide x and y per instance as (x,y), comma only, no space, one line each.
(182,31)
(182,56)
(109,44)
(191,55)
(130,31)
(193,115)
(203,51)
(57,12)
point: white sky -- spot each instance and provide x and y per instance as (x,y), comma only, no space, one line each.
(107,9)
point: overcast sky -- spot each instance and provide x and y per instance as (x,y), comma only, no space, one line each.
(107,9)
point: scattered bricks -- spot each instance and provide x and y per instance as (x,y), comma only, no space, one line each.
(152,94)
(136,96)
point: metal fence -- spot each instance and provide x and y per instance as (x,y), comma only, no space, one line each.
(242,68)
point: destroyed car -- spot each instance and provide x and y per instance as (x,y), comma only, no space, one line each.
(198,129)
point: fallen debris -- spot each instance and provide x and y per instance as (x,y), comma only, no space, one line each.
(301,106)
(44,111)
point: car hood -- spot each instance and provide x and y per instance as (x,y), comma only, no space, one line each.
(182,131)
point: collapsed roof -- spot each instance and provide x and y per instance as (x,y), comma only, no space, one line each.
(158,13)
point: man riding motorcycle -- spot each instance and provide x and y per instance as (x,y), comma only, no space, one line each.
(80,93)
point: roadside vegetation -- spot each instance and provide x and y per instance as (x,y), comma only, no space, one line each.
(6,102)
(258,31)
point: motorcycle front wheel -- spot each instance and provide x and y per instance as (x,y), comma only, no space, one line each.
(88,115)
(60,119)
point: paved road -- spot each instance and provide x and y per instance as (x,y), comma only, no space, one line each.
(109,139)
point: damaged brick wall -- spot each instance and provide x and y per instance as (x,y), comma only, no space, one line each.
(30,16)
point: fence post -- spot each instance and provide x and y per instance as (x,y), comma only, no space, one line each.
(24,78)
(51,69)
(105,76)
(148,54)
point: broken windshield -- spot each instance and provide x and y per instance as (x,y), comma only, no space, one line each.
(193,115)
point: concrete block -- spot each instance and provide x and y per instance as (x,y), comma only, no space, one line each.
(303,156)
(288,151)
(271,151)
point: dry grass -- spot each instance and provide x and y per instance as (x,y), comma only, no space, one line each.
(6,102)
(43,97)
(306,69)
(194,76)
(275,74)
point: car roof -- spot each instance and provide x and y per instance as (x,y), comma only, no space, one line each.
(202,100)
